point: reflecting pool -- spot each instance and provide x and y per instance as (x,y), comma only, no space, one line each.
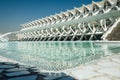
(55,56)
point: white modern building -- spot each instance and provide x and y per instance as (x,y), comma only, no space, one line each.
(94,21)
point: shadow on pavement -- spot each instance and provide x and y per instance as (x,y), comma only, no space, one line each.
(14,71)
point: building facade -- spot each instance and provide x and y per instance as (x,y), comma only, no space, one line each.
(89,22)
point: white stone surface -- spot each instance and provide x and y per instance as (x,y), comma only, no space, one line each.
(100,78)
(116,58)
(84,74)
(111,71)
(107,68)
(108,64)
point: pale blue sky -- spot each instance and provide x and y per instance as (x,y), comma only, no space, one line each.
(16,12)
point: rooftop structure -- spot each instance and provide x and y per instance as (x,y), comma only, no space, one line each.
(4,37)
(89,22)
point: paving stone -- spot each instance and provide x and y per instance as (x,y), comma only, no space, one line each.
(17,73)
(91,67)
(1,70)
(3,78)
(100,78)
(108,64)
(51,76)
(8,63)
(111,71)
(84,74)
(116,79)
(40,76)
(116,58)
(102,67)
(33,70)
(15,69)
(24,78)
(65,78)
(7,66)
(22,72)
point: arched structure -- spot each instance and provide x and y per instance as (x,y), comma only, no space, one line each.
(4,38)
(88,22)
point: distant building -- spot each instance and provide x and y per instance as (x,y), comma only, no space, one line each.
(12,37)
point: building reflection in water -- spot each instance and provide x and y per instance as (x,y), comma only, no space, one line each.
(57,56)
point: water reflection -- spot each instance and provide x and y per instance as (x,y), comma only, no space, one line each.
(56,55)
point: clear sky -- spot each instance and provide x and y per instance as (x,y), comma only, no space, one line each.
(16,12)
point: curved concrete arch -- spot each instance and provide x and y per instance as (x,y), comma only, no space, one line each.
(33,24)
(78,10)
(95,6)
(80,23)
(85,10)
(107,4)
(4,38)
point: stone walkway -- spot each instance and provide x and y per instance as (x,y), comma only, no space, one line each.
(107,68)
(11,71)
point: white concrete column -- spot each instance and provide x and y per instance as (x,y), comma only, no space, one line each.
(83,30)
(93,32)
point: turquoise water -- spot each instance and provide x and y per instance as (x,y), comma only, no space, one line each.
(57,56)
